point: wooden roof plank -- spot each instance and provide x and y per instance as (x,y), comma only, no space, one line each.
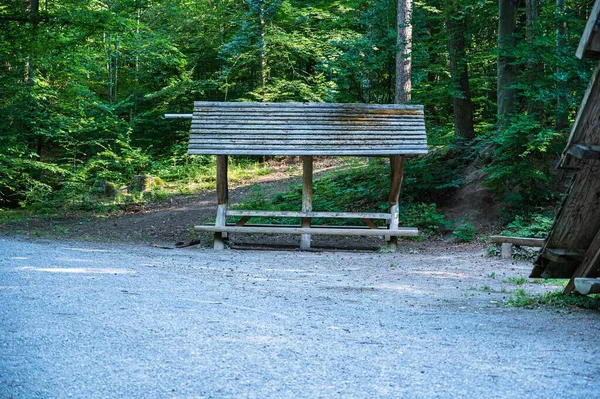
(307,129)
(307,105)
(585,128)
(588,45)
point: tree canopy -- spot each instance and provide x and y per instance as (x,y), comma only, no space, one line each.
(84,84)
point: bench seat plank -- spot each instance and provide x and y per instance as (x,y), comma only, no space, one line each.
(402,231)
(333,215)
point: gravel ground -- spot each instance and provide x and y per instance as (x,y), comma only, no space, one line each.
(89,320)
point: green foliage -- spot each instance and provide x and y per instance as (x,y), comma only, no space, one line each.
(425,217)
(492,252)
(84,87)
(464,233)
(521,171)
(535,226)
(433,177)
(523,299)
(525,147)
(356,187)
(517,280)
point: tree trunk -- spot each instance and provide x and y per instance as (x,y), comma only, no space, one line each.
(262,50)
(534,69)
(403,87)
(506,73)
(461,99)
(30,72)
(403,55)
(561,83)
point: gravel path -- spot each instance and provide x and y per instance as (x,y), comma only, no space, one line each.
(119,321)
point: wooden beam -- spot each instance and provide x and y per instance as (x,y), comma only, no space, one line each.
(179,116)
(402,231)
(589,263)
(563,255)
(370,223)
(582,151)
(293,214)
(307,195)
(589,32)
(397,167)
(523,241)
(587,115)
(317,226)
(243,221)
(222,199)
(222,189)
(586,286)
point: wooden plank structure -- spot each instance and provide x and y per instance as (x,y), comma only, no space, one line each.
(508,242)
(572,249)
(306,130)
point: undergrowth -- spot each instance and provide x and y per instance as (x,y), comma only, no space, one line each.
(524,299)
(358,187)
(535,226)
(83,189)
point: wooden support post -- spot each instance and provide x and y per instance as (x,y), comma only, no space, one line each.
(222,200)
(307,194)
(397,167)
(243,221)
(591,261)
(506,251)
(585,151)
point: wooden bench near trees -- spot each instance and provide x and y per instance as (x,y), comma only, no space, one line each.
(307,130)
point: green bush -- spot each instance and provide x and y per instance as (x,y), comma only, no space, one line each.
(425,217)
(535,226)
(464,233)
(432,177)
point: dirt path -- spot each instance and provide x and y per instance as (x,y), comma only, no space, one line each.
(90,320)
(166,222)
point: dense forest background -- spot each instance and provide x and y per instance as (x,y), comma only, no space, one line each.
(84,85)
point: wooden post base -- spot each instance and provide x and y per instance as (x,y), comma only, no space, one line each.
(307,194)
(506,251)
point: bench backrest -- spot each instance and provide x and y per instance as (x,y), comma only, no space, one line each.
(307,129)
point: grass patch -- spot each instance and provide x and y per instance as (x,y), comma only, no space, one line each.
(561,282)
(14,215)
(78,197)
(523,299)
(517,280)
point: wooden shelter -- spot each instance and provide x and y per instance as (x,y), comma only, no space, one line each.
(572,249)
(306,130)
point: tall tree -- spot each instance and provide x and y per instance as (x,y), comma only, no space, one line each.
(403,55)
(561,95)
(534,68)
(461,92)
(506,71)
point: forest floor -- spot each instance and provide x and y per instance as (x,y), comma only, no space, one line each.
(102,306)
(166,222)
(93,320)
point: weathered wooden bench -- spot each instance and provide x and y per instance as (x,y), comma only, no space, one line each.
(306,130)
(508,242)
